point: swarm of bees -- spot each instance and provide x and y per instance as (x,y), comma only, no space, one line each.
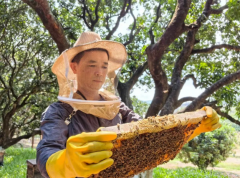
(145,144)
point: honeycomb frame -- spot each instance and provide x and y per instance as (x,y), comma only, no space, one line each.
(145,144)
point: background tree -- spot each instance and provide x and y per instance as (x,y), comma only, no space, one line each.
(139,106)
(26,82)
(178,40)
(167,43)
(209,149)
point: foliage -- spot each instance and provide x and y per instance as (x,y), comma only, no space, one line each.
(27,85)
(185,172)
(235,126)
(139,106)
(209,149)
(15,162)
(15,166)
(26,43)
(233,12)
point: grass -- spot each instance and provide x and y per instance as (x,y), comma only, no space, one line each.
(15,165)
(228,166)
(185,172)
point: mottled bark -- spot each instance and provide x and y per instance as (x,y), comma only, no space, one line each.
(176,81)
(124,93)
(155,52)
(41,7)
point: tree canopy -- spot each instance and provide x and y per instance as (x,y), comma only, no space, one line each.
(168,43)
(26,81)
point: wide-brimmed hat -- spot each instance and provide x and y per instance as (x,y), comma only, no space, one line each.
(87,40)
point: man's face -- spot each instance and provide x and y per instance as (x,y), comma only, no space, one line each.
(91,71)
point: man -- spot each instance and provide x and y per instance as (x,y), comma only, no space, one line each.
(66,150)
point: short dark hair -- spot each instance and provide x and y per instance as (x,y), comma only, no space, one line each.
(80,55)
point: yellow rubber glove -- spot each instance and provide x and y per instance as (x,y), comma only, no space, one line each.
(209,124)
(85,154)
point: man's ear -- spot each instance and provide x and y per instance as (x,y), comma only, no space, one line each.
(73,66)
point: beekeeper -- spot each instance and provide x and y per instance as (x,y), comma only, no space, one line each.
(70,145)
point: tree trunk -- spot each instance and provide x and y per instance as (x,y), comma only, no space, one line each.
(176,82)
(146,174)
(124,93)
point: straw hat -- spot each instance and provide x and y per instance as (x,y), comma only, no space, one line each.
(87,40)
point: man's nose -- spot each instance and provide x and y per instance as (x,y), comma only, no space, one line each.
(99,71)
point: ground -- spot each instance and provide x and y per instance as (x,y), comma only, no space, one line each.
(231,167)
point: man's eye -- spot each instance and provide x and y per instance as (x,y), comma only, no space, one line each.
(92,65)
(104,67)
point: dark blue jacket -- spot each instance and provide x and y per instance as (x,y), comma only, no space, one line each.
(55,132)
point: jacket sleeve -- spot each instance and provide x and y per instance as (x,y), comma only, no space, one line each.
(127,114)
(54,133)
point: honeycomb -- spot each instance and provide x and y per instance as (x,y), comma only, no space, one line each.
(145,144)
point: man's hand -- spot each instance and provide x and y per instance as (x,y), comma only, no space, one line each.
(208,124)
(85,154)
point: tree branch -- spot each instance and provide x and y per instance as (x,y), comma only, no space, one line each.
(223,114)
(17,139)
(158,15)
(122,14)
(176,83)
(131,36)
(10,82)
(7,104)
(16,106)
(188,27)
(4,84)
(182,100)
(33,118)
(131,82)
(83,16)
(96,13)
(156,51)
(204,16)
(213,48)
(218,11)
(223,81)
(174,29)
(190,76)
(176,25)
(41,7)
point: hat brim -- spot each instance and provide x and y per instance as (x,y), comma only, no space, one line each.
(117,56)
